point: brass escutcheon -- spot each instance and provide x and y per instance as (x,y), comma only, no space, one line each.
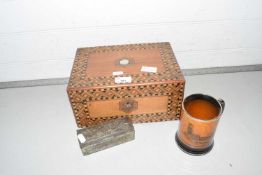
(128,105)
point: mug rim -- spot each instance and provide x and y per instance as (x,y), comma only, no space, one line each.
(206,96)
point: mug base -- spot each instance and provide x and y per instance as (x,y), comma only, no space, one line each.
(191,151)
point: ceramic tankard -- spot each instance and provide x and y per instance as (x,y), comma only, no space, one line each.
(198,123)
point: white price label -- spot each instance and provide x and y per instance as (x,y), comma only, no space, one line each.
(117,73)
(81,138)
(121,80)
(149,69)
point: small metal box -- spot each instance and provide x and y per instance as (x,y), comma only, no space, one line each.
(105,135)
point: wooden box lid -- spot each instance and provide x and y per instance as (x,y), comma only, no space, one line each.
(94,66)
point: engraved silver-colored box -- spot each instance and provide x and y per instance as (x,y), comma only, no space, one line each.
(105,135)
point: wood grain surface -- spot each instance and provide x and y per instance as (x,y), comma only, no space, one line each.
(95,96)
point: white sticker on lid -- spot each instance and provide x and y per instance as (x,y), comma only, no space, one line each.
(81,138)
(122,80)
(149,69)
(118,73)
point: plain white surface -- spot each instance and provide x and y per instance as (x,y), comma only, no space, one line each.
(38,39)
(38,134)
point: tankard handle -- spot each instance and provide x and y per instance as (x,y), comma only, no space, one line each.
(222,103)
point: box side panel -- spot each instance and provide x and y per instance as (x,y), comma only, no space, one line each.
(81,101)
(80,110)
(132,106)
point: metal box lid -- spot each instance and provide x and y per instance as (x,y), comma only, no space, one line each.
(104,135)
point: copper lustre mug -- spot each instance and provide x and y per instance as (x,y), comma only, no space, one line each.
(198,123)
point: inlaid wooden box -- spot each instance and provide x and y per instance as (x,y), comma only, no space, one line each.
(141,81)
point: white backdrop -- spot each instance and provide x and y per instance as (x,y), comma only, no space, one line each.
(38,38)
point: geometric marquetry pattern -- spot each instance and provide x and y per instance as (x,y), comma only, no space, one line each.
(169,82)
(79,100)
(79,78)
